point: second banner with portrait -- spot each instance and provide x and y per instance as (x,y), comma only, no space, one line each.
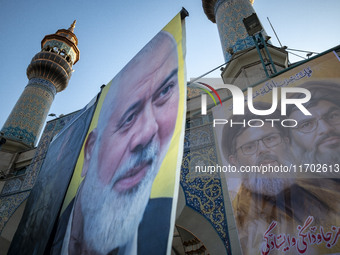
(283,162)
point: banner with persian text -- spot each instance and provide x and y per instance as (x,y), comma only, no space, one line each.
(281,159)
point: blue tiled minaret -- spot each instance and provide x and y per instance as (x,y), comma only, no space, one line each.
(229,15)
(49,73)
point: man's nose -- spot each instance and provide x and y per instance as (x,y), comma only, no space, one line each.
(261,147)
(324,127)
(146,130)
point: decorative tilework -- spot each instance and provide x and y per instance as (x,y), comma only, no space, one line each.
(8,206)
(44,84)
(196,138)
(29,114)
(229,16)
(11,186)
(19,134)
(203,192)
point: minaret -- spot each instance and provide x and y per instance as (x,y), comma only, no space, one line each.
(245,66)
(229,15)
(49,73)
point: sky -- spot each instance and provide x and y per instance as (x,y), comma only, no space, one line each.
(111,32)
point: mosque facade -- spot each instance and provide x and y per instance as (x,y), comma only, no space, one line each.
(204,221)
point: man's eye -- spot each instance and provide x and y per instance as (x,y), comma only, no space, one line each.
(271,138)
(166,90)
(307,124)
(334,116)
(162,96)
(268,139)
(248,147)
(129,119)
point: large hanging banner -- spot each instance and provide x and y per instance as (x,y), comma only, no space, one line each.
(281,158)
(45,200)
(123,194)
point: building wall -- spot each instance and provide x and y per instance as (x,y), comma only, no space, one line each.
(204,212)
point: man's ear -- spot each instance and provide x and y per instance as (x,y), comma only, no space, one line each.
(233,160)
(88,150)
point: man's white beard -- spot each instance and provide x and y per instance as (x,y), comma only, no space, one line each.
(267,186)
(271,184)
(111,218)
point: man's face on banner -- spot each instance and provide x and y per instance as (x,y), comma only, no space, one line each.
(319,133)
(134,130)
(143,117)
(263,146)
(260,146)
